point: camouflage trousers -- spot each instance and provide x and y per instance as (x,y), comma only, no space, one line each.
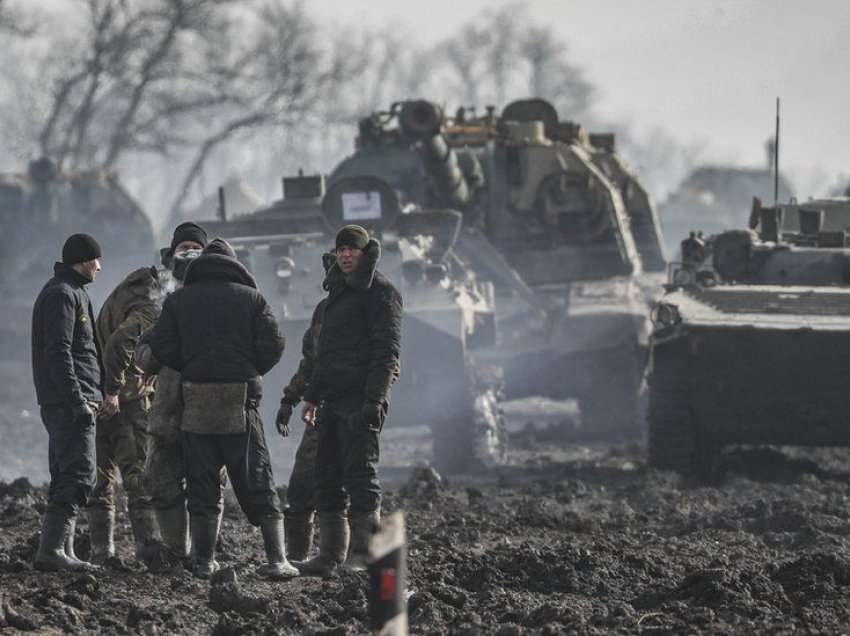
(301,493)
(121,444)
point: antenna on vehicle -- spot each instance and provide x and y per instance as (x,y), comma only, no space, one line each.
(776,160)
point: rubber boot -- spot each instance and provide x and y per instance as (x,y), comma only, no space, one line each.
(51,556)
(204,539)
(101,532)
(70,552)
(333,546)
(299,534)
(145,529)
(363,526)
(173,525)
(277,567)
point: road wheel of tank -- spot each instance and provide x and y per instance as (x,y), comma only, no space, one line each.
(672,431)
(475,438)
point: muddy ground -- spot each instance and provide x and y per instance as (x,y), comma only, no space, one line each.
(568,539)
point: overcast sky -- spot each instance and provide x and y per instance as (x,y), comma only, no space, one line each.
(706,70)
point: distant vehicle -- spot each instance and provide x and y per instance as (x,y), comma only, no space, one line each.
(38,211)
(448,312)
(556,221)
(751,340)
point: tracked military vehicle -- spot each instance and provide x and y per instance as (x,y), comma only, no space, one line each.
(38,211)
(448,312)
(560,226)
(751,340)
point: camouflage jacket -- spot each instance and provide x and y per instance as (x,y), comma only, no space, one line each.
(129,311)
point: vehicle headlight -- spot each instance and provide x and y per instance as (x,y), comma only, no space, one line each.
(665,315)
(285,268)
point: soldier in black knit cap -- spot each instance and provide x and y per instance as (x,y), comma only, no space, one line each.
(67,374)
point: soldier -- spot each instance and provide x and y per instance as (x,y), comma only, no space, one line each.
(164,475)
(122,436)
(357,359)
(301,493)
(67,375)
(219,332)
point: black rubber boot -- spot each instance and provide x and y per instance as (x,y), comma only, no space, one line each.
(333,546)
(101,533)
(363,526)
(299,534)
(174,528)
(145,529)
(273,538)
(55,529)
(204,539)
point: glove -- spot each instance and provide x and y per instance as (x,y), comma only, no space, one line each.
(282,419)
(372,414)
(82,414)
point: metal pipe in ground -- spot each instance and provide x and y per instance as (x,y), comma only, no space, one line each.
(388,577)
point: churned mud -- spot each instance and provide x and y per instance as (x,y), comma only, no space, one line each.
(569,539)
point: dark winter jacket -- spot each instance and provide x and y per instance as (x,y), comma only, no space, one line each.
(65,355)
(218,327)
(360,340)
(129,311)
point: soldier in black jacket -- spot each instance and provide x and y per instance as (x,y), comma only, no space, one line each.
(219,332)
(67,375)
(357,359)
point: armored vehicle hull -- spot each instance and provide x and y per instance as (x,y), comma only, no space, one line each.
(750,343)
(555,220)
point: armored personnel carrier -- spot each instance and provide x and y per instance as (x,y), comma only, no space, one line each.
(38,211)
(560,226)
(448,312)
(751,339)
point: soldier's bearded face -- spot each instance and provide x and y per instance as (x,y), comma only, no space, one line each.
(348,258)
(89,269)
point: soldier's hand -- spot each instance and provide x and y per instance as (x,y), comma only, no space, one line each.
(109,407)
(308,413)
(284,413)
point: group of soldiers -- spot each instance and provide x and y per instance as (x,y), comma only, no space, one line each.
(164,386)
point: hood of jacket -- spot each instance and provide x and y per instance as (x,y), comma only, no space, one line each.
(218,267)
(362,277)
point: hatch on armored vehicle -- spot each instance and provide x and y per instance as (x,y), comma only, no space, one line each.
(448,312)
(750,341)
(559,225)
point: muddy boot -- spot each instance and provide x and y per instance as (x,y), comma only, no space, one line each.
(145,529)
(204,539)
(51,555)
(101,533)
(333,546)
(69,548)
(174,527)
(273,538)
(299,534)
(363,526)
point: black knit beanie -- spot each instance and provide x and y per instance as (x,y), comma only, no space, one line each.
(352,236)
(219,246)
(188,231)
(80,248)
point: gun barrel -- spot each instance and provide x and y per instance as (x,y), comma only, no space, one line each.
(420,121)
